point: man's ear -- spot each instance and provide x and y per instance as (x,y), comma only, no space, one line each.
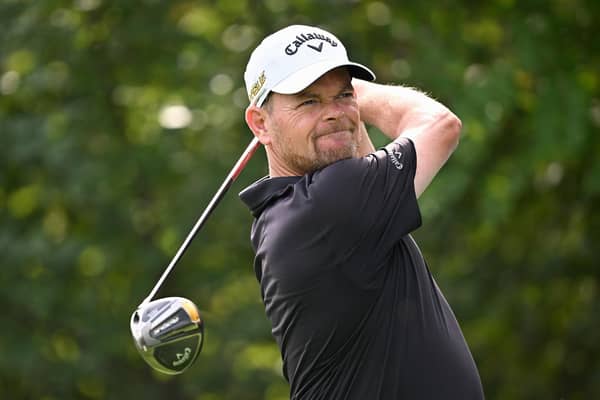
(256,118)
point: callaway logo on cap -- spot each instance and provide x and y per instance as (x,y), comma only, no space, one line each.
(292,58)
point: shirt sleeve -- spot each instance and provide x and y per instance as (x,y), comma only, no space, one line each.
(370,202)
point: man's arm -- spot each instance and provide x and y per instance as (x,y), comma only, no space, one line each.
(403,112)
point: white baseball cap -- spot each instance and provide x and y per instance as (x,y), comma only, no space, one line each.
(291,59)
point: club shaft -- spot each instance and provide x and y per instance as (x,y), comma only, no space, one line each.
(235,172)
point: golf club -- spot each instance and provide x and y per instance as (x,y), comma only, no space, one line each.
(169,332)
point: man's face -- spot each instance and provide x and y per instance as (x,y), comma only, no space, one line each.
(315,127)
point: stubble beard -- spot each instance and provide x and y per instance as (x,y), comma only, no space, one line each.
(316,158)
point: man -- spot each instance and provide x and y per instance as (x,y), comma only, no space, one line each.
(353,306)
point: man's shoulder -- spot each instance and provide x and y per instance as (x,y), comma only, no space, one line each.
(391,155)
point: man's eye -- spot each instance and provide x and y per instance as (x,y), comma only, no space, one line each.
(347,94)
(307,102)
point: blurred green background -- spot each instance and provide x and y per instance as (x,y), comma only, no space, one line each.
(120,119)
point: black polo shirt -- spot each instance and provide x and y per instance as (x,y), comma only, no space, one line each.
(353,306)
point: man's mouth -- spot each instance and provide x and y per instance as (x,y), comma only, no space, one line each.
(335,133)
(338,131)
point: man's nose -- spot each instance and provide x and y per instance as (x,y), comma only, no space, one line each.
(333,110)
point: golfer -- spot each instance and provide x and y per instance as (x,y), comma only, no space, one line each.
(353,306)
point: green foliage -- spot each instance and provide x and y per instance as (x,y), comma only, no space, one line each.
(119,120)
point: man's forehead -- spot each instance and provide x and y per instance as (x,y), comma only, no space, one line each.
(339,78)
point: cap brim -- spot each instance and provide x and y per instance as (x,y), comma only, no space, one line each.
(300,80)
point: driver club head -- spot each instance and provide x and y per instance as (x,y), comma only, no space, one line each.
(168,333)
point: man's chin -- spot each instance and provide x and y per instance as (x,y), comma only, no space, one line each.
(331,155)
(321,157)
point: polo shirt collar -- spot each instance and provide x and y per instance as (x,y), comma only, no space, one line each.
(260,193)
